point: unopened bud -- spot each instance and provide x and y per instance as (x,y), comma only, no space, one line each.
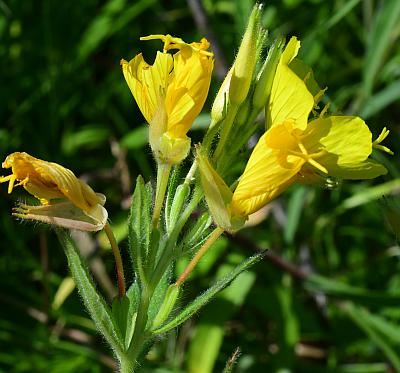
(266,76)
(182,191)
(220,105)
(217,193)
(167,306)
(246,59)
(243,114)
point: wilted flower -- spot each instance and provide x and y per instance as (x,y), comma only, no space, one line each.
(171,93)
(65,200)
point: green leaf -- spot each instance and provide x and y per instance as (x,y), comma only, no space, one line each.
(204,298)
(94,302)
(114,15)
(136,139)
(294,211)
(367,323)
(120,309)
(380,100)
(87,137)
(381,38)
(209,333)
(372,193)
(344,291)
(158,297)
(133,295)
(140,225)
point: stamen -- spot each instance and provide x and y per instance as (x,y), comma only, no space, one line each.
(317,165)
(324,110)
(22,182)
(11,179)
(308,75)
(171,42)
(303,149)
(377,143)
(318,97)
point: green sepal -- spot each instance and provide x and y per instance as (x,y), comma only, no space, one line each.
(139,223)
(180,197)
(204,298)
(98,310)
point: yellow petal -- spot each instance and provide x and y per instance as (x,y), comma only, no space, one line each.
(290,97)
(64,214)
(346,140)
(291,51)
(263,179)
(148,82)
(359,171)
(187,90)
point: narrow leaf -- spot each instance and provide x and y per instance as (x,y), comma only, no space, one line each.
(380,100)
(361,317)
(94,302)
(204,298)
(344,291)
(140,225)
(380,40)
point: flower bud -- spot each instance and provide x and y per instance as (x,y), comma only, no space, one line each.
(266,76)
(219,107)
(246,59)
(169,302)
(217,193)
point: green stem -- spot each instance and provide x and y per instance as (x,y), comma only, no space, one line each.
(163,171)
(139,335)
(168,252)
(210,240)
(126,365)
(118,260)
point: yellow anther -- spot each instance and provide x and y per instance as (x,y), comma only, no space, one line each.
(11,179)
(377,143)
(308,75)
(324,110)
(171,42)
(302,148)
(317,165)
(318,97)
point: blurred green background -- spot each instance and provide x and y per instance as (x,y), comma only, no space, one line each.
(327,300)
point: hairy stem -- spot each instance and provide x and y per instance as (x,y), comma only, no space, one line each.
(163,171)
(211,239)
(118,260)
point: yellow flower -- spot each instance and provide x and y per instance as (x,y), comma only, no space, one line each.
(171,92)
(294,149)
(334,146)
(65,200)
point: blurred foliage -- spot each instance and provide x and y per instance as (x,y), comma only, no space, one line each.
(63,98)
